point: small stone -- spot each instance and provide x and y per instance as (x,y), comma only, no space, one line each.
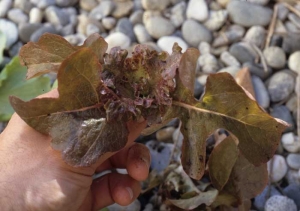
(293,192)
(165,134)
(39,32)
(258,69)
(91,29)
(282,11)
(281,85)
(260,2)
(56,16)
(202,79)
(194,33)
(158,27)
(280,203)
(229,60)
(155,4)
(17,16)
(166,43)
(141,33)
(293,176)
(232,70)
(43,4)
(75,39)
(208,63)
(198,89)
(5,5)
(24,5)
(294,62)
(27,29)
(14,49)
(65,3)
(10,30)
(35,15)
(275,57)
(283,113)
(178,14)
(136,17)
(261,199)
(216,19)
(108,22)
(122,8)
(204,47)
(88,5)
(291,27)
(293,160)
(104,9)
(68,29)
(117,39)
(219,50)
(261,92)
(256,35)
(290,142)
(294,19)
(233,34)
(243,52)
(291,43)
(248,14)
(197,9)
(125,26)
(279,168)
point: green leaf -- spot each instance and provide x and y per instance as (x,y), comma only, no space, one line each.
(2,45)
(12,82)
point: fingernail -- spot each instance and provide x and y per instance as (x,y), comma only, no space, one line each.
(130,192)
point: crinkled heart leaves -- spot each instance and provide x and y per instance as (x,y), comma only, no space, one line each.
(100,92)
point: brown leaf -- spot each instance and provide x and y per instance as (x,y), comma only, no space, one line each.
(243,78)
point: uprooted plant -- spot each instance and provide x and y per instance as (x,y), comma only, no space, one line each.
(99,92)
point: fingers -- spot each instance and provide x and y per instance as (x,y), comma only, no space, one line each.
(114,188)
(136,159)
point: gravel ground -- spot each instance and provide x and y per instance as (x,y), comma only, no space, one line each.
(261,35)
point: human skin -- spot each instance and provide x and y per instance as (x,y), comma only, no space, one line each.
(33,176)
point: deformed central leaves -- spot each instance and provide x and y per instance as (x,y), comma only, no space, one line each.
(99,92)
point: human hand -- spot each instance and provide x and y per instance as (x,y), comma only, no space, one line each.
(34,176)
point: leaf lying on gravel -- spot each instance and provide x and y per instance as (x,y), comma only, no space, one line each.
(113,89)
(12,82)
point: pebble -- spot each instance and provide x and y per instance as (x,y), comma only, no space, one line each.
(275,57)
(261,2)
(281,85)
(88,5)
(232,70)
(91,29)
(294,19)
(10,30)
(261,92)
(75,39)
(198,89)
(141,33)
(293,160)
(27,29)
(104,9)
(24,5)
(56,16)
(197,10)
(260,200)
(158,26)
(43,4)
(166,43)
(229,60)
(35,15)
(155,4)
(208,63)
(204,47)
(234,33)
(280,203)
(108,22)
(136,17)
(248,14)
(279,168)
(178,14)
(293,192)
(122,8)
(291,43)
(65,3)
(294,62)
(258,69)
(290,142)
(117,39)
(216,20)
(291,27)
(243,52)
(194,33)
(291,104)
(282,112)
(17,16)
(125,26)
(293,176)
(256,35)
(282,11)
(39,32)
(5,5)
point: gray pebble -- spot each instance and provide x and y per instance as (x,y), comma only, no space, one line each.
(75,39)
(281,85)
(194,33)
(35,15)
(44,29)
(27,29)
(234,33)
(197,10)
(282,11)
(5,5)
(56,16)
(104,9)
(261,92)
(280,203)
(155,4)
(117,39)
(243,52)
(258,69)
(198,89)
(275,57)
(260,200)
(293,192)
(17,16)
(294,62)
(14,49)
(248,14)
(279,168)
(10,30)
(158,27)
(108,22)
(208,63)
(125,26)
(24,5)
(291,27)
(68,29)
(219,50)
(216,19)
(293,176)
(256,35)
(178,14)
(294,19)
(136,17)
(291,43)
(43,4)
(229,60)
(166,43)
(293,160)
(282,112)
(122,8)
(65,3)
(91,29)
(204,47)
